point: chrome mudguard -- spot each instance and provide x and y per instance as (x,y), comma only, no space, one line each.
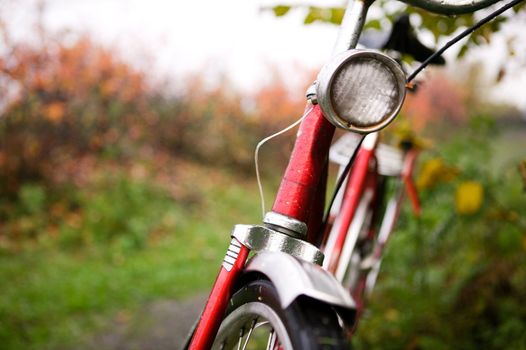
(293,278)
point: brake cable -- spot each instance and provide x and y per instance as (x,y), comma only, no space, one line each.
(424,64)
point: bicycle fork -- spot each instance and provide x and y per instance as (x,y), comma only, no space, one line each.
(233,263)
(282,238)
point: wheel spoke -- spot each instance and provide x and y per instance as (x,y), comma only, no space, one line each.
(241,332)
(256,322)
(272,340)
(261,324)
(250,333)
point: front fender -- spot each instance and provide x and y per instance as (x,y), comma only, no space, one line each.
(293,278)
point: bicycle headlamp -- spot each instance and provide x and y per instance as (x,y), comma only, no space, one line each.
(361,90)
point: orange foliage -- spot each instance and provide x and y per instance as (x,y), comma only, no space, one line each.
(75,102)
(58,73)
(62,97)
(54,111)
(276,104)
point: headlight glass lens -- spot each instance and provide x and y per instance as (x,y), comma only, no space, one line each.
(364,92)
(361,90)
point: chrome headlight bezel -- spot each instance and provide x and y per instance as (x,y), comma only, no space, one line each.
(330,71)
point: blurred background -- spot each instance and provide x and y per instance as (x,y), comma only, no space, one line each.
(127,131)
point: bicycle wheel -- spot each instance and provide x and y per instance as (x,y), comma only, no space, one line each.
(256,320)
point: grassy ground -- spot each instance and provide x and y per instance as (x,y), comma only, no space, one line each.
(53,296)
(138,240)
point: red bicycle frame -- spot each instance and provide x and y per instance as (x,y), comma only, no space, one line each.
(352,196)
(298,197)
(301,195)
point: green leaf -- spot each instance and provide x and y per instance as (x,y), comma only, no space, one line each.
(373,24)
(408,59)
(324,14)
(519,7)
(463,50)
(337,15)
(280,10)
(310,18)
(438,25)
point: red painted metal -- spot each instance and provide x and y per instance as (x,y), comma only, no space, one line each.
(302,186)
(407,173)
(358,297)
(322,239)
(314,234)
(216,305)
(350,201)
(302,177)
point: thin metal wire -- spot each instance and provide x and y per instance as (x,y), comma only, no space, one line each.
(241,331)
(256,156)
(271,344)
(461,36)
(249,333)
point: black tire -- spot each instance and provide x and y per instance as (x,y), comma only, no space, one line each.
(306,324)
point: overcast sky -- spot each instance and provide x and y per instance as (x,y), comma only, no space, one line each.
(233,37)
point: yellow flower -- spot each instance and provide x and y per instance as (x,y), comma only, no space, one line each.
(469,197)
(434,171)
(392,315)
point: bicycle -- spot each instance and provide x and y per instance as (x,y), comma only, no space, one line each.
(354,242)
(282,293)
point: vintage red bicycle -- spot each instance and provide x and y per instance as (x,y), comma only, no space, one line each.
(297,281)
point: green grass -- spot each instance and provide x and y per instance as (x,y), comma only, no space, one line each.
(54,294)
(120,243)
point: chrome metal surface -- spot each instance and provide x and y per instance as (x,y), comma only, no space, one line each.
(331,71)
(311,94)
(451,7)
(293,277)
(264,239)
(285,224)
(231,254)
(351,26)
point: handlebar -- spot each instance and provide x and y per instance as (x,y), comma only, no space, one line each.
(451,7)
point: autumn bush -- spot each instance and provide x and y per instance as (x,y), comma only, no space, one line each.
(96,155)
(68,102)
(76,109)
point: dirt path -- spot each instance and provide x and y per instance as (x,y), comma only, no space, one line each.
(159,326)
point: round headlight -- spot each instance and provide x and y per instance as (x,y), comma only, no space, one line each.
(361,90)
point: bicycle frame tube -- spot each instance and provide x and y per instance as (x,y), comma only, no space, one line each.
(307,165)
(348,228)
(299,189)
(392,213)
(362,216)
(352,197)
(212,315)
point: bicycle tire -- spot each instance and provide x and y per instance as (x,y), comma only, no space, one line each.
(306,324)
